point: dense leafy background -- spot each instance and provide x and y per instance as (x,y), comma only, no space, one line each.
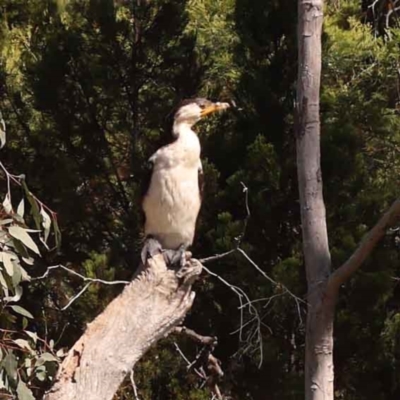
(87,88)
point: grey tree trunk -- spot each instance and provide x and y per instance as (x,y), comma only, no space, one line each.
(319,340)
(148,309)
(323,285)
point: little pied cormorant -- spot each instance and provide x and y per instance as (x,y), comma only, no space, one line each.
(173,198)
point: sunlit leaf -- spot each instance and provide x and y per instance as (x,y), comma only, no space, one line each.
(28,260)
(24,344)
(23,392)
(24,275)
(7,262)
(6,221)
(48,357)
(2,132)
(22,235)
(61,353)
(21,208)
(20,310)
(18,294)
(32,335)
(17,276)
(40,371)
(3,380)
(46,223)
(28,366)
(7,204)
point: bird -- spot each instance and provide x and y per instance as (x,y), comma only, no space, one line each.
(172,201)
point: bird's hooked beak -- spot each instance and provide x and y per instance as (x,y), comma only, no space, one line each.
(213,108)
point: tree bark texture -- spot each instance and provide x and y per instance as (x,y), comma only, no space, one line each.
(319,340)
(148,309)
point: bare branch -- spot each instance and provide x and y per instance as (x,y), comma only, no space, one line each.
(204,360)
(84,278)
(254,323)
(135,392)
(217,256)
(199,373)
(367,245)
(206,340)
(79,294)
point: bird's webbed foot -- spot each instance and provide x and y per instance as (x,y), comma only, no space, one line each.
(176,257)
(150,248)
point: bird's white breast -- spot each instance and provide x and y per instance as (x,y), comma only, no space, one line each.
(172,203)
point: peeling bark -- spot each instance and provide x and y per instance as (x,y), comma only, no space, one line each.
(148,309)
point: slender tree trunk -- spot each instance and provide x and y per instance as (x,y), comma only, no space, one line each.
(319,340)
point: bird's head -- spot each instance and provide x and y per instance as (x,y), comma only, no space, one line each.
(193,110)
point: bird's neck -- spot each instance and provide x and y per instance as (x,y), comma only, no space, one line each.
(185,135)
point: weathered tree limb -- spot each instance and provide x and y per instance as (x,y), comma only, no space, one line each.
(367,245)
(148,309)
(205,362)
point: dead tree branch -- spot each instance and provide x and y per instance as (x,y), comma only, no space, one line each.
(368,243)
(205,364)
(148,309)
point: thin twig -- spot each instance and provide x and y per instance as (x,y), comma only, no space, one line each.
(135,391)
(217,256)
(178,349)
(79,294)
(84,278)
(249,304)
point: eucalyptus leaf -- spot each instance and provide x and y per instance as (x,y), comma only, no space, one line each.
(45,357)
(10,365)
(7,204)
(20,310)
(24,344)
(20,248)
(40,372)
(24,275)
(7,262)
(28,260)
(46,223)
(21,208)
(17,276)
(4,285)
(23,392)
(2,132)
(17,296)
(22,235)
(34,205)
(61,353)
(32,335)
(57,232)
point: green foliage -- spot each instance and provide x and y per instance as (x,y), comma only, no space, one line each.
(87,89)
(23,360)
